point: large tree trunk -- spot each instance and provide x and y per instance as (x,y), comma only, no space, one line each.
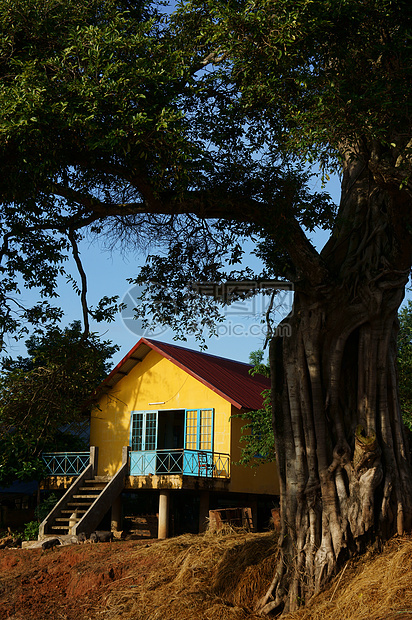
(342,456)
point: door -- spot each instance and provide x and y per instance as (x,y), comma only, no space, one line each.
(198,459)
(170,441)
(143,442)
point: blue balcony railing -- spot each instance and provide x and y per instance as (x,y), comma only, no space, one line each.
(65,463)
(199,463)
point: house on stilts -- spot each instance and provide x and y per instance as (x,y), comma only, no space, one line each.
(165,442)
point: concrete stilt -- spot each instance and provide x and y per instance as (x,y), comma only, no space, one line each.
(163,530)
(203,510)
(116,521)
(254,506)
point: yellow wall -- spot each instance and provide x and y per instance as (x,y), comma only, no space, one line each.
(153,380)
(156,379)
(261,479)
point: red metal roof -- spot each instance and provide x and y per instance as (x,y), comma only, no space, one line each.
(226,377)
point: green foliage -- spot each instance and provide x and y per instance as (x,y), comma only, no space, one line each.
(108,124)
(45,398)
(405,363)
(257,433)
(31,530)
(45,507)
(191,134)
(312,73)
(80,82)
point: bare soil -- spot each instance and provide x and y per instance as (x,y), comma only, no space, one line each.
(68,583)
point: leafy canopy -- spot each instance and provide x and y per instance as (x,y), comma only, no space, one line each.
(191,135)
(405,363)
(115,122)
(314,74)
(45,398)
(257,434)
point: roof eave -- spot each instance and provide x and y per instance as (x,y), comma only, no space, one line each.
(109,382)
(195,375)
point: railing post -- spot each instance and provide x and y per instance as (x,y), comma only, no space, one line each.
(125,455)
(94,454)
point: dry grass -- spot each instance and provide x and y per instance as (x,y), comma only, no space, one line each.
(376,587)
(220,577)
(210,577)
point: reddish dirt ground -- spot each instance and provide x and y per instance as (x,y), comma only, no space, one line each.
(66,583)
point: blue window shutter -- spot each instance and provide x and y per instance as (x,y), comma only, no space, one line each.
(199,429)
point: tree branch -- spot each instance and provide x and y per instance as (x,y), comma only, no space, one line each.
(214,205)
(213,58)
(307,260)
(83,295)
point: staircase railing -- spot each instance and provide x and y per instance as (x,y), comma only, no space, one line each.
(88,472)
(104,501)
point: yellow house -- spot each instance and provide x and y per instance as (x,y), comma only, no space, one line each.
(165,441)
(174,407)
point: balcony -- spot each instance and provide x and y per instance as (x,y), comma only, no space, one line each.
(200,463)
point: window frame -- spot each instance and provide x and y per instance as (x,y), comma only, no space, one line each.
(145,427)
(199,435)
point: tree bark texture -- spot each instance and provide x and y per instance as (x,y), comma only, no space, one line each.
(342,454)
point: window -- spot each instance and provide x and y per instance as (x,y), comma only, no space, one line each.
(199,429)
(191,429)
(205,435)
(144,430)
